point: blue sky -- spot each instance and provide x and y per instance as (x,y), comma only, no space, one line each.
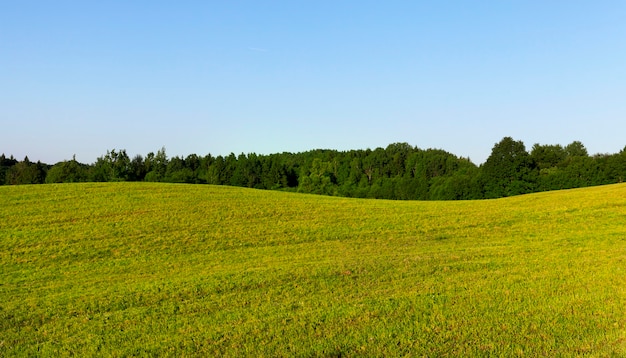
(82,77)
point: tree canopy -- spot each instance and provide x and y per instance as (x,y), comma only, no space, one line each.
(399,171)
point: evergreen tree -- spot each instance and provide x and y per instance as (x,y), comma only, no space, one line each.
(5,165)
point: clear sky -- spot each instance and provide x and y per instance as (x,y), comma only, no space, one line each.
(81,77)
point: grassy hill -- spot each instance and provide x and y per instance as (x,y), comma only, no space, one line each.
(160,269)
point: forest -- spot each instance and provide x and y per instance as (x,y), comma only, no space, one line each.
(399,171)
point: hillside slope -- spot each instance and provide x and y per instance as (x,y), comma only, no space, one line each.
(163,269)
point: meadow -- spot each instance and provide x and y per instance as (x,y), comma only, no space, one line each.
(148,269)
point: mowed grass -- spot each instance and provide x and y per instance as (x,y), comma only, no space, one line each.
(141,269)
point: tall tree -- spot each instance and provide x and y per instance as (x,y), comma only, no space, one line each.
(216,172)
(157,165)
(508,170)
(5,165)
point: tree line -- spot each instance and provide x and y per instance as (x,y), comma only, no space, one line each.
(399,171)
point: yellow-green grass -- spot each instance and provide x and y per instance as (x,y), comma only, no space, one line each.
(121,269)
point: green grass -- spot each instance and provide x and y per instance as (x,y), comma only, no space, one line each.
(122,269)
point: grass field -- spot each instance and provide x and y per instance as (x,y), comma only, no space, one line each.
(122,269)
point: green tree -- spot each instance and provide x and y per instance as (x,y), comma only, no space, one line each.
(198,172)
(415,184)
(114,166)
(460,184)
(318,179)
(508,170)
(238,165)
(273,173)
(26,172)
(618,166)
(5,165)
(398,154)
(178,172)
(215,172)
(137,169)
(576,149)
(157,165)
(547,156)
(69,171)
